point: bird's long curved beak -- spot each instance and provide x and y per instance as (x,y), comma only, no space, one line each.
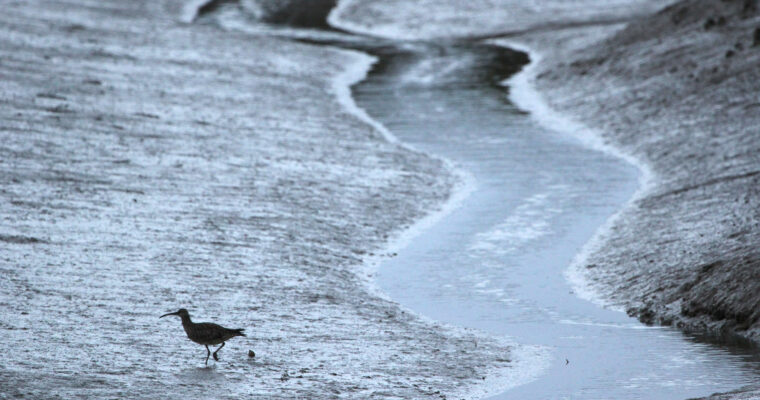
(171,313)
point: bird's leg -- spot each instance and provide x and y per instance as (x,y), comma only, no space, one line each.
(208,353)
(220,347)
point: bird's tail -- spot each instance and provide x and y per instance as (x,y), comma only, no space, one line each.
(239,332)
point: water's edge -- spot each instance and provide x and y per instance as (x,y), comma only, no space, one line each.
(526,96)
(527,361)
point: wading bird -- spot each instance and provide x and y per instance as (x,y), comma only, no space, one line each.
(206,333)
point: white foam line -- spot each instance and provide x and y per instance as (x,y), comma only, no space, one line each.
(524,95)
(528,364)
(635,326)
(355,73)
(466,183)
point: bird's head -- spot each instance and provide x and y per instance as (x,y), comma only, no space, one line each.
(182,313)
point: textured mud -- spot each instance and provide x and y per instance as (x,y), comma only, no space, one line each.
(678,90)
(147,164)
(429,19)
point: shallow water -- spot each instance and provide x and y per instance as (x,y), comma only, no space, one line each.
(496,263)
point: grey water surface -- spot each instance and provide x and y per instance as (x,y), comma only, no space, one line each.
(497,262)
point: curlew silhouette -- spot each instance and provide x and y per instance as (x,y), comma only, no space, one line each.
(206,333)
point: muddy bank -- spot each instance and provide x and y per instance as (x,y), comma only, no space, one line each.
(295,13)
(148,164)
(678,90)
(441,19)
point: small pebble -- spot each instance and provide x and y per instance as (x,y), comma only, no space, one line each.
(251,354)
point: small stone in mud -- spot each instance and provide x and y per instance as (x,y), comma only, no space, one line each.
(251,354)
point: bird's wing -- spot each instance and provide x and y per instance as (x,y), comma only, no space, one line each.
(209,331)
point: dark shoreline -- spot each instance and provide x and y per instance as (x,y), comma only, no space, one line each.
(310,14)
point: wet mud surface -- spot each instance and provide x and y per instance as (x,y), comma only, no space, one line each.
(148,164)
(130,187)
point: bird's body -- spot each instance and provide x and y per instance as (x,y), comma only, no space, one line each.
(206,333)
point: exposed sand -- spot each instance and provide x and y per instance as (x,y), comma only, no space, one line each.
(147,164)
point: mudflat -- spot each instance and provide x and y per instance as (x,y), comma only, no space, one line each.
(148,164)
